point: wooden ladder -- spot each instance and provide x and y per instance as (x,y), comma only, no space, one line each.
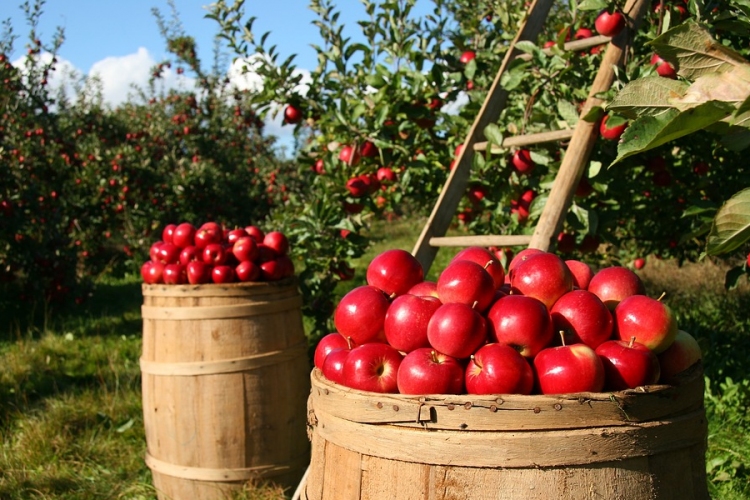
(582,139)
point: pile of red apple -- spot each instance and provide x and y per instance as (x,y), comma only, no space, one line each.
(211,253)
(547,326)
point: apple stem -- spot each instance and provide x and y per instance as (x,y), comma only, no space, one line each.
(663,294)
(474,305)
(349,342)
(562,337)
(474,360)
(488,264)
(632,341)
(433,355)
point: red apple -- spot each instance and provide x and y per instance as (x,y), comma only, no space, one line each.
(663,68)
(426,371)
(189,254)
(168,253)
(487,260)
(153,251)
(349,155)
(175,274)
(271,270)
(406,321)
(583,318)
(613,284)
(424,289)
(583,33)
(214,254)
(544,276)
(277,241)
(521,256)
(152,272)
(198,272)
(247,271)
(627,365)
(292,114)
(256,233)
(569,369)
(265,253)
(360,314)
(168,232)
(386,175)
(566,242)
(222,274)
(649,320)
(498,369)
(466,282)
(368,150)
(639,263)
(582,273)
(466,56)
(609,24)
(326,344)
(372,367)
(394,272)
(333,365)
(678,357)
(522,161)
(521,322)
(234,235)
(207,235)
(612,133)
(245,249)
(456,330)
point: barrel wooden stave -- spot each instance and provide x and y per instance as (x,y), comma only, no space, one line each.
(224,398)
(615,456)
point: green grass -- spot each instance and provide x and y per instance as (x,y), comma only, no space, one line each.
(70,405)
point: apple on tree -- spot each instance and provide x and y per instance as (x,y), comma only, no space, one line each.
(609,24)
(612,132)
(426,371)
(466,56)
(522,161)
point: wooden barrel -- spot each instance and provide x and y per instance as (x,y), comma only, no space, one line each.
(640,444)
(225,377)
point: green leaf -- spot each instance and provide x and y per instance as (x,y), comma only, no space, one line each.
(648,132)
(594,168)
(731,226)
(732,278)
(376,80)
(593,114)
(593,5)
(649,96)
(568,112)
(493,134)
(690,47)
(731,86)
(528,47)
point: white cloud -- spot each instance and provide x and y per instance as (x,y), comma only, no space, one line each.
(119,74)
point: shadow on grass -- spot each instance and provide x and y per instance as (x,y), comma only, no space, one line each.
(112,308)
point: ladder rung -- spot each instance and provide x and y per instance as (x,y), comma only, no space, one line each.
(527,140)
(574,46)
(508,240)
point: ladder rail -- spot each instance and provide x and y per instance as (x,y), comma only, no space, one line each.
(452,192)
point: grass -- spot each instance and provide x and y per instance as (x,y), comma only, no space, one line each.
(70,405)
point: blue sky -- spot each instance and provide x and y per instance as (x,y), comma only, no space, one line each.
(119,40)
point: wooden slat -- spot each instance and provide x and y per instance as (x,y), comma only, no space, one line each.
(453,190)
(585,136)
(502,240)
(527,140)
(575,45)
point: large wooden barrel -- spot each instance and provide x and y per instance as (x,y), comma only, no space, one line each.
(635,444)
(225,377)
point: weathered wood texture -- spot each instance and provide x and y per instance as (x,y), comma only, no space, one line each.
(225,379)
(647,443)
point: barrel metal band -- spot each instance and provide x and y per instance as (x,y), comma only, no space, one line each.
(220,312)
(221,475)
(234,365)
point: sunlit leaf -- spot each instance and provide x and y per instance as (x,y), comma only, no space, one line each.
(731,227)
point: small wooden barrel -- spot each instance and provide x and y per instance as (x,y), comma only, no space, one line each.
(639,444)
(225,376)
